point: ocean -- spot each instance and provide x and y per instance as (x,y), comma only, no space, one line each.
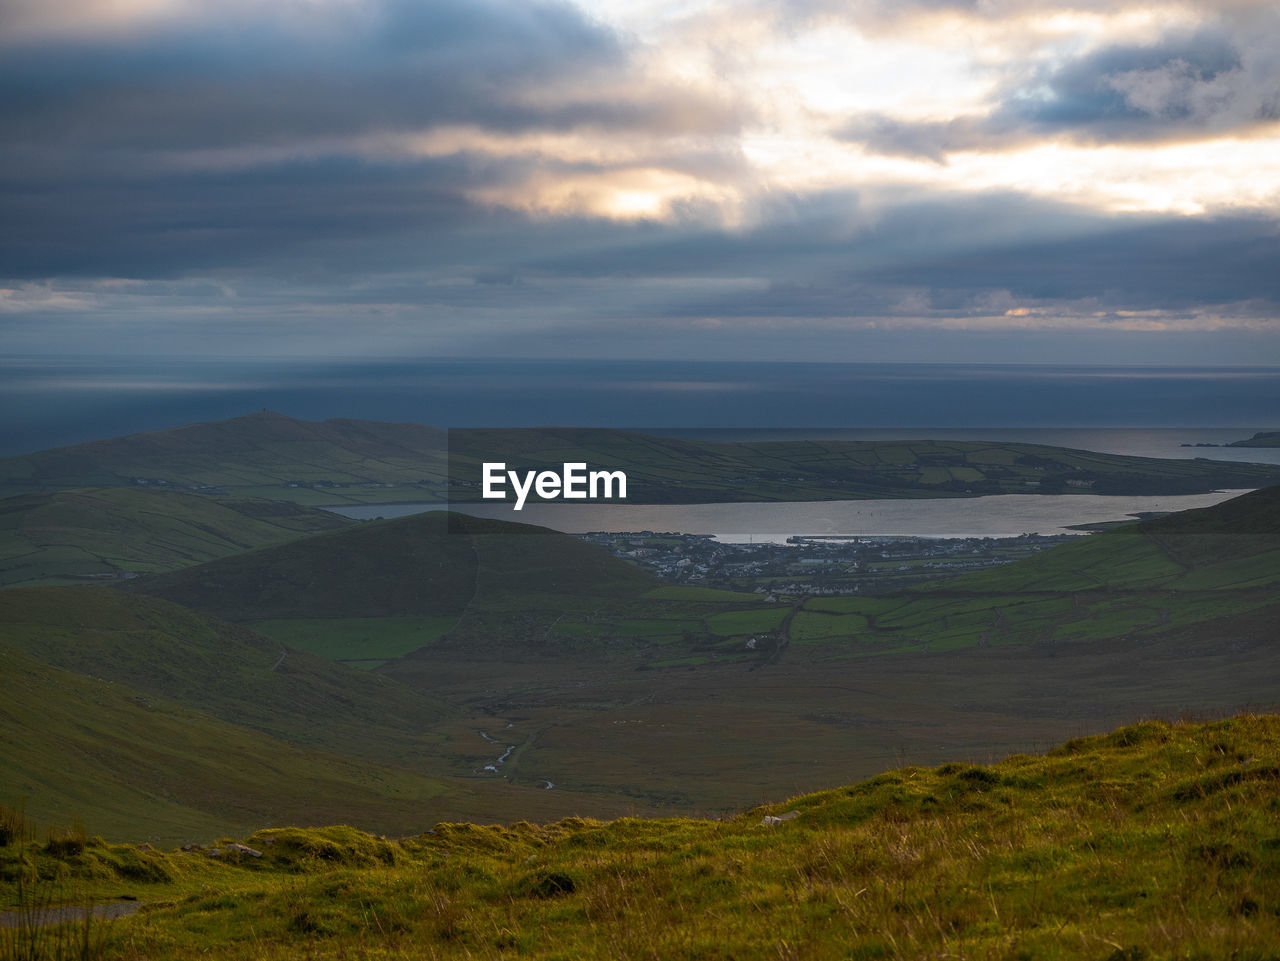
(52,401)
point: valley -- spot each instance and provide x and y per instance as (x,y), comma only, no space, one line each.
(406,657)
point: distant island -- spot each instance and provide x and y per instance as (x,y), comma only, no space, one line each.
(1263,438)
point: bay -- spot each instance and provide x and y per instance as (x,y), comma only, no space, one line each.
(997,515)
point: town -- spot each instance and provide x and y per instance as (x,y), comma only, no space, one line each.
(815,565)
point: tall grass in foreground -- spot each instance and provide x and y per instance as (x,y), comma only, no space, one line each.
(41,925)
(1158,841)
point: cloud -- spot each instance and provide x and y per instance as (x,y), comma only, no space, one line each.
(205,136)
(469,176)
(216,81)
(1219,80)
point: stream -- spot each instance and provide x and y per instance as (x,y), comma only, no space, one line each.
(492,766)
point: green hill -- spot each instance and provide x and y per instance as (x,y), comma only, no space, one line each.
(408,566)
(129,763)
(585,674)
(343,462)
(671,470)
(1079,637)
(1137,580)
(106,533)
(423,564)
(158,648)
(259,455)
(382,589)
(1155,841)
(147,719)
(1232,545)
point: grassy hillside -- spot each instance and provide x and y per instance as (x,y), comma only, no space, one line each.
(669,470)
(102,534)
(259,455)
(1171,615)
(365,462)
(157,648)
(483,588)
(408,566)
(1136,580)
(1155,841)
(382,589)
(129,763)
(575,684)
(147,719)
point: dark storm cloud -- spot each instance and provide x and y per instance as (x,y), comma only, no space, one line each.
(1168,263)
(953,258)
(1186,87)
(233,139)
(393,65)
(243,176)
(343,213)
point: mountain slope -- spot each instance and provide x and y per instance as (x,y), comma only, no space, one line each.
(103,533)
(1232,544)
(143,718)
(132,764)
(163,650)
(1153,841)
(257,455)
(424,564)
(346,461)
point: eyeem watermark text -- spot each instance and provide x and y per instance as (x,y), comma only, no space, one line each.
(574,482)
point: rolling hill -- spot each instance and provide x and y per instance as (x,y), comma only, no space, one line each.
(145,719)
(671,470)
(345,462)
(1152,841)
(258,455)
(423,564)
(528,660)
(108,533)
(160,649)
(441,582)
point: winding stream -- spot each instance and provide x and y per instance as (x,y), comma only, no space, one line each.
(492,766)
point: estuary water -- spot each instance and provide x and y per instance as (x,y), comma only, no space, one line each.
(996,515)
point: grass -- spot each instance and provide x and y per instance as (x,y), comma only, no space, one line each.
(733,623)
(154,649)
(364,641)
(1177,570)
(1155,841)
(69,536)
(547,656)
(261,455)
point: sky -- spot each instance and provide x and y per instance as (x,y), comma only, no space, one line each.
(931,181)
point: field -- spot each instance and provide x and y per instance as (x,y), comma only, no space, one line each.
(1155,841)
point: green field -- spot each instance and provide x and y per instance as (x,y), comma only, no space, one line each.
(746,622)
(359,641)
